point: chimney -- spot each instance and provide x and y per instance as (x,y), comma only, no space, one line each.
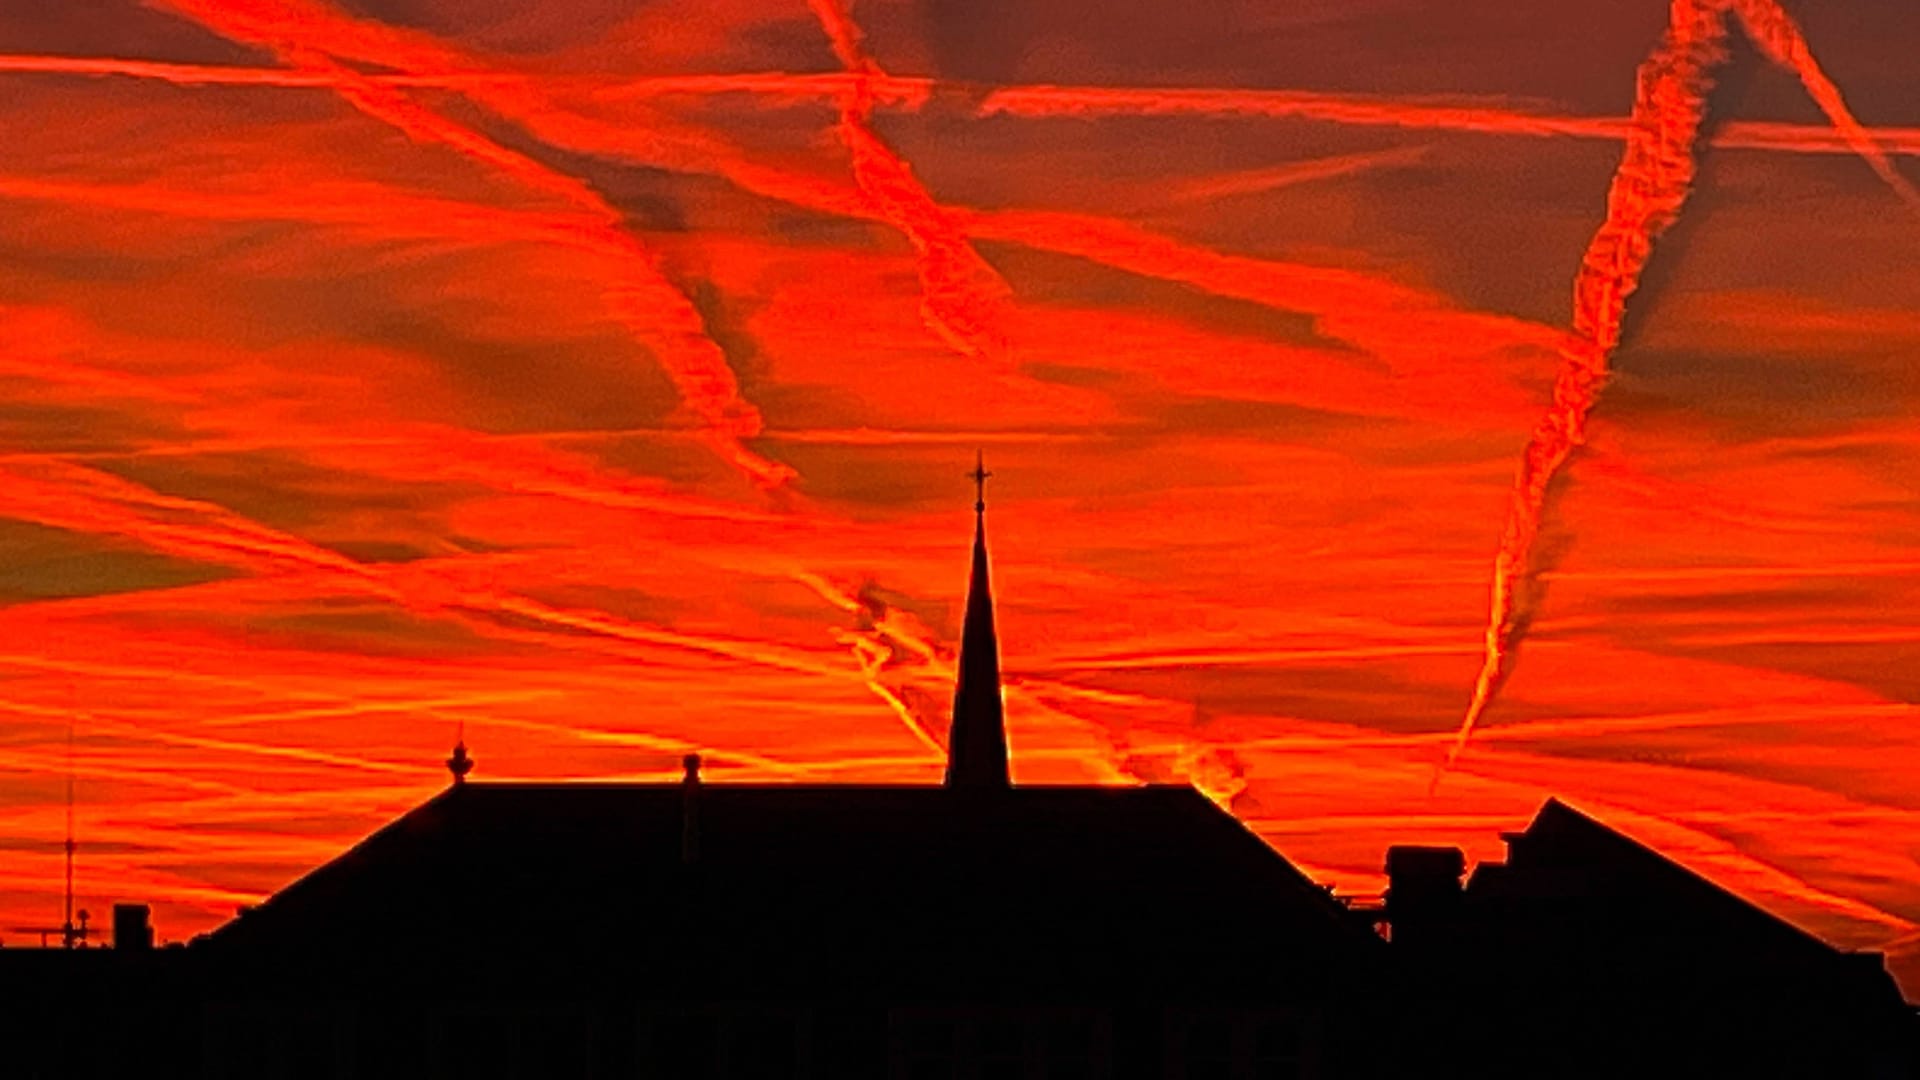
(132,932)
(1423,893)
(690,810)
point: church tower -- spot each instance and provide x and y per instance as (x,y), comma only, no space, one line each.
(977,742)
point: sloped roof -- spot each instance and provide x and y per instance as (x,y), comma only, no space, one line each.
(929,890)
(1568,858)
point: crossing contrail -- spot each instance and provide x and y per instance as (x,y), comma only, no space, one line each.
(1651,185)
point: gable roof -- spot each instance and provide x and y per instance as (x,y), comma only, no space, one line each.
(930,889)
(1568,859)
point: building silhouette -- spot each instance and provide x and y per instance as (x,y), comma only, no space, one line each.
(978,929)
(1587,954)
(696,930)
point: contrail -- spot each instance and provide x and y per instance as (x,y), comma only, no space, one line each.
(1467,116)
(777,88)
(94,502)
(876,638)
(1286,175)
(1647,193)
(663,145)
(658,314)
(1775,33)
(886,638)
(1397,323)
(911,93)
(381,446)
(1648,190)
(964,300)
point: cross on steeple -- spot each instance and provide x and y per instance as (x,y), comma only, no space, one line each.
(977,743)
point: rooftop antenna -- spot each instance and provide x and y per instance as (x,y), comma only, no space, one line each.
(66,920)
(73,930)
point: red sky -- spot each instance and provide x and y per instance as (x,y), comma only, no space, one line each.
(604,377)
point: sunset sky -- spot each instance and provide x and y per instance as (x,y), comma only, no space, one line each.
(603,376)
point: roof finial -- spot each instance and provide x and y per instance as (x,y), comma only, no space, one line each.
(690,810)
(979,475)
(460,764)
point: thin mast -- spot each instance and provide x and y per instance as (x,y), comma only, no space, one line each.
(66,921)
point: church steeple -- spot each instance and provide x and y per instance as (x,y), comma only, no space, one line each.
(977,743)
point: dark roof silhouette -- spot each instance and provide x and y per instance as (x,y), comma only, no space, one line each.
(1598,956)
(1567,865)
(515,929)
(973,889)
(935,892)
(971,929)
(1567,856)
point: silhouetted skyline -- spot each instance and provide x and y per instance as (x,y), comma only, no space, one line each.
(602,376)
(784,931)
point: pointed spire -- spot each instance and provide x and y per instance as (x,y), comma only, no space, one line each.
(977,744)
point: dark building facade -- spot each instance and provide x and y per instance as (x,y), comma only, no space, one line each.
(971,931)
(780,931)
(1587,954)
